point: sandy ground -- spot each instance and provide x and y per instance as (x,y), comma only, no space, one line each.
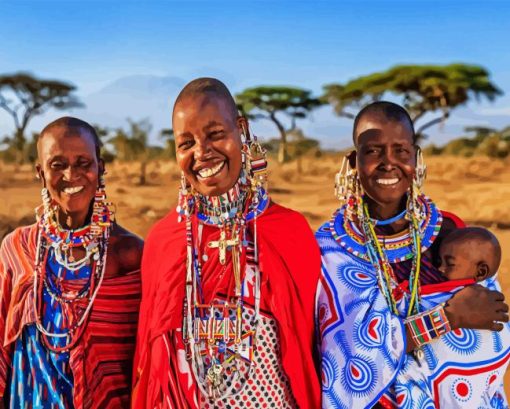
(476,189)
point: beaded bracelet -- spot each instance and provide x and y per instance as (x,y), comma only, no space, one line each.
(428,325)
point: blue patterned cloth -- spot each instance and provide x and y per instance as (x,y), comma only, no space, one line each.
(42,378)
(363,345)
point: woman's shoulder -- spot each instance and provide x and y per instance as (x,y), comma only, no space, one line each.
(126,247)
(451,220)
(20,236)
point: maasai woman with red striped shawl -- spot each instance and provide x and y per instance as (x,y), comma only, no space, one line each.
(395,333)
(228,279)
(69,286)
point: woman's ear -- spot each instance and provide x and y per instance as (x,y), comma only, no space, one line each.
(242,124)
(101,167)
(40,174)
(351,157)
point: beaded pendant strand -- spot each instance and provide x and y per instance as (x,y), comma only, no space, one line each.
(93,239)
(211,327)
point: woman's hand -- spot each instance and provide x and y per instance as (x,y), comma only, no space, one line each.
(477,307)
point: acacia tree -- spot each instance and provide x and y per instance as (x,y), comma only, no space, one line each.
(23,96)
(422,88)
(267,102)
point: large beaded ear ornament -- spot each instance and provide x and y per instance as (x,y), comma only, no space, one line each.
(255,160)
(348,190)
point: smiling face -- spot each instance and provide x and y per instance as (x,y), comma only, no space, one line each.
(208,141)
(69,168)
(385,158)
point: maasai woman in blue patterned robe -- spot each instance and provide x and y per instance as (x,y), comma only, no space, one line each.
(380,274)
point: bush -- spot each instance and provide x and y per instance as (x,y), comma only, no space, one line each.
(494,147)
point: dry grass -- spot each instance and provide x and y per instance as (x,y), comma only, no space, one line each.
(476,189)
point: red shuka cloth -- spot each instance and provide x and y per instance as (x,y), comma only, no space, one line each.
(288,258)
(101,360)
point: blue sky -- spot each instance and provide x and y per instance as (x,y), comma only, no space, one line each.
(249,43)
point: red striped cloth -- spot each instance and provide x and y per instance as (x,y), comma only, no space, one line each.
(101,362)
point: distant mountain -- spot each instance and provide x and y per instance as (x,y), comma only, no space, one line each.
(135,97)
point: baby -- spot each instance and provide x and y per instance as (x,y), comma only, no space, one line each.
(471,252)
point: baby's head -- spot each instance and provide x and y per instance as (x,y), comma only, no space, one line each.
(471,252)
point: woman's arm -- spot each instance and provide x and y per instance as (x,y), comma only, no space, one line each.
(473,307)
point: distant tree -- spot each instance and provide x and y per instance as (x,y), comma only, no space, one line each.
(105,135)
(23,96)
(168,136)
(268,102)
(132,144)
(423,89)
(480,132)
(486,141)
(299,145)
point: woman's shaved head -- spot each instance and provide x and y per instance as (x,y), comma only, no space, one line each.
(208,87)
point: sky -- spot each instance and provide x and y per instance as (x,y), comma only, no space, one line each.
(308,44)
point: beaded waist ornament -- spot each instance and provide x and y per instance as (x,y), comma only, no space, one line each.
(93,239)
(214,333)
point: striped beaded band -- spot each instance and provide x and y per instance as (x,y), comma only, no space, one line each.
(428,325)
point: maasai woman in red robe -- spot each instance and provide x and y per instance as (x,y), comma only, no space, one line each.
(228,279)
(69,286)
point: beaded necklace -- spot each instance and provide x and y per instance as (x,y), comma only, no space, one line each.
(217,325)
(363,242)
(386,276)
(398,247)
(93,238)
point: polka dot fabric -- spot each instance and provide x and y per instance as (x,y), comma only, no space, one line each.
(267,385)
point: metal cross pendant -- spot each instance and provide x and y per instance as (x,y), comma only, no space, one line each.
(223,245)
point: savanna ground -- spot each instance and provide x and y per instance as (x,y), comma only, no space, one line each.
(476,189)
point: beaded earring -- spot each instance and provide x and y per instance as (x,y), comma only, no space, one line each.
(254,161)
(413,205)
(183,201)
(102,215)
(420,170)
(46,200)
(348,190)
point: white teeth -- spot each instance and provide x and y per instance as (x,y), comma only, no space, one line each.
(387,181)
(208,172)
(73,190)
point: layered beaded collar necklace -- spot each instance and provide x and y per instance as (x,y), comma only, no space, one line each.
(363,242)
(349,235)
(93,238)
(233,206)
(209,327)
